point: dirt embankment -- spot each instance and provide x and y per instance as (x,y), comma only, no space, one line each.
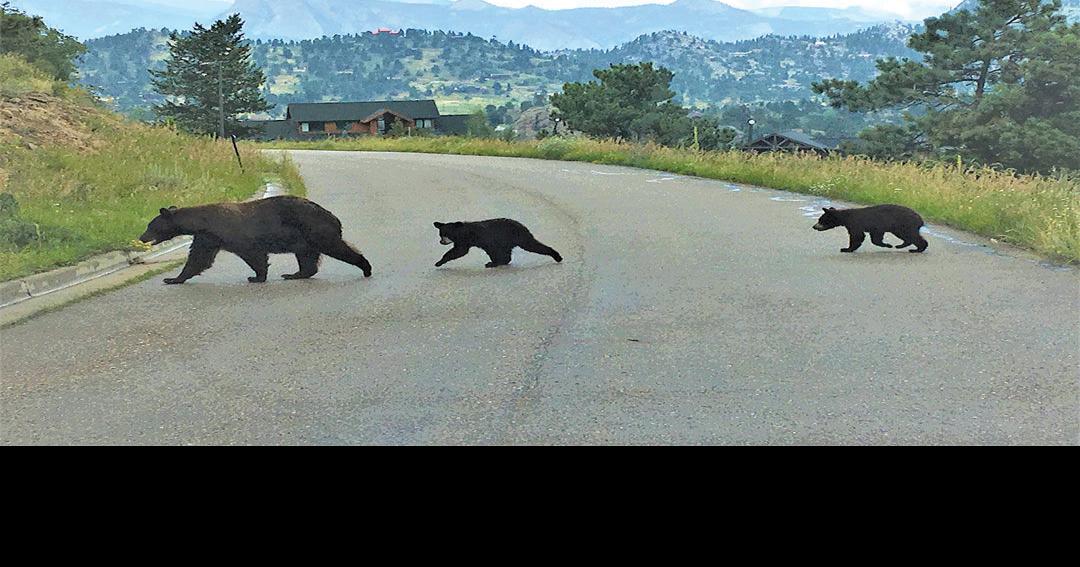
(36,119)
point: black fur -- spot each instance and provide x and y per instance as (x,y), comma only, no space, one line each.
(901,221)
(497,237)
(253,231)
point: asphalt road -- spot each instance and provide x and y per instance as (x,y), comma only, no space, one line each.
(686,311)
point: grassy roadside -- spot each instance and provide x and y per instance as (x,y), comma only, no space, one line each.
(1039,213)
(76,180)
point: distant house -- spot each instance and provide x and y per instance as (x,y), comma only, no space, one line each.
(305,121)
(790,141)
(386,31)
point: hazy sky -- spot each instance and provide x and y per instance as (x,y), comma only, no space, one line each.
(915,9)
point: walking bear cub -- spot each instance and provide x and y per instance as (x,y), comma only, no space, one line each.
(253,231)
(497,237)
(901,221)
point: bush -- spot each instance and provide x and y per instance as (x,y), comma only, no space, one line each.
(17,78)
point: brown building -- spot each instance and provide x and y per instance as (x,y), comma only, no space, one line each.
(305,121)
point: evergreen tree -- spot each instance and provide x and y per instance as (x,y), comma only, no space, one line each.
(210,74)
(1000,85)
(629,102)
(41,46)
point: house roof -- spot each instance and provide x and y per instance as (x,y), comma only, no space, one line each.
(334,111)
(797,137)
(269,129)
(382,112)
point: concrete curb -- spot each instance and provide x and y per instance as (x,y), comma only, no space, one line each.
(37,285)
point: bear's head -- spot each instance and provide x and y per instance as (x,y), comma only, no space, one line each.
(828,220)
(163,227)
(447,231)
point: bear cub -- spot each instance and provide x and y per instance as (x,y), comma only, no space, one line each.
(901,221)
(497,237)
(254,230)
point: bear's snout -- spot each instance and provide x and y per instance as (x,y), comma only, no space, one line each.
(820,226)
(148,238)
(445,241)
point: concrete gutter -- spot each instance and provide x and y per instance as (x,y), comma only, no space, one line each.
(20,290)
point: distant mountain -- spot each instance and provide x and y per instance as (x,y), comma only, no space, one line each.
(466,71)
(583,28)
(813,14)
(97,18)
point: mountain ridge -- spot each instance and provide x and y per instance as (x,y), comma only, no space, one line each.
(578,28)
(474,71)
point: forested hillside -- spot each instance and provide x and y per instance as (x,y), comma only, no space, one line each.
(467,70)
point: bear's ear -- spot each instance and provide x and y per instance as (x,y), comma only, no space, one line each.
(166,212)
(439,225)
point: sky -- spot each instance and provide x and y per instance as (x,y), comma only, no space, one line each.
(910,9)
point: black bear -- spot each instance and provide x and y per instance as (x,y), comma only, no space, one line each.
(497,237)
(254,230)
(901,221)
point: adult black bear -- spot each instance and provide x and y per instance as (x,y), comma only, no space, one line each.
(498,237)
(254,230)
(901,221)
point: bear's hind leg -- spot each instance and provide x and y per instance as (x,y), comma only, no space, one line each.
(920,244)
(499,257)
(856,239)
(537,247)
(878,239)
(341,250)
(309,265)
(258,261)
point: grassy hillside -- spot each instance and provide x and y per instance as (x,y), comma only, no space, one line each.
(1039,213)
(76,180)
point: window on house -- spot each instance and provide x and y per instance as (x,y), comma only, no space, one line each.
(425,123)
(305,127)
(382,124)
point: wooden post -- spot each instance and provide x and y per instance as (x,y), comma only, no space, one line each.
(236,150)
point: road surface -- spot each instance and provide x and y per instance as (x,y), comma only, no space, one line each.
(686,311)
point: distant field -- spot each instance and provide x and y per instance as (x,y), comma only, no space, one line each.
(1039,213)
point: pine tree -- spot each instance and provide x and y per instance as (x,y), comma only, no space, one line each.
(1000,85)
(44,47)
(209,79)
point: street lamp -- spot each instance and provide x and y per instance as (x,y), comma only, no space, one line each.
(750,133)
(556,133)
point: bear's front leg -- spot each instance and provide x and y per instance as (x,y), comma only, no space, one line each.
(855,240)
(453,254)
(200,258)
(258,261)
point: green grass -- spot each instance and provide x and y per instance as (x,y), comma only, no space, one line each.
(18,78)
(1039,213)
(74,202)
